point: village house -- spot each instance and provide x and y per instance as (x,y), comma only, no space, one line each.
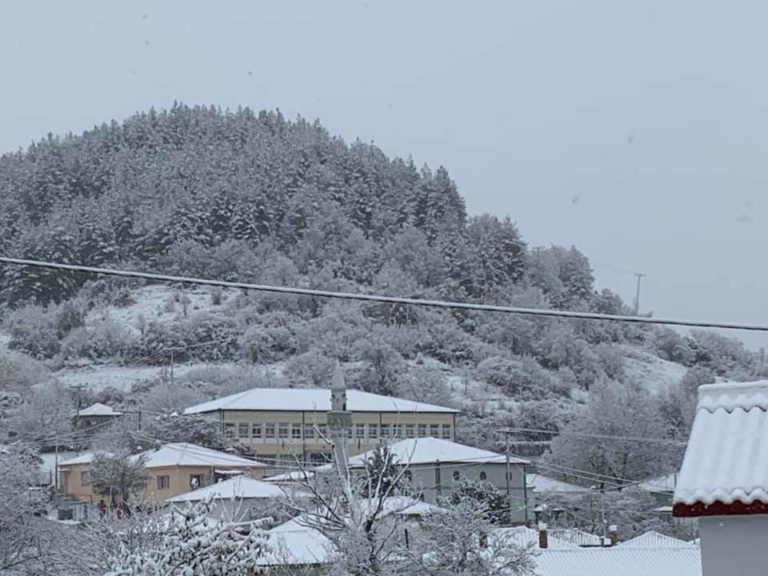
(240,498)
(724,478)
(281,425)
(96,416)
(435,467)
(173,469)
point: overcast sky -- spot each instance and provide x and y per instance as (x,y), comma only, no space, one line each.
(636,131)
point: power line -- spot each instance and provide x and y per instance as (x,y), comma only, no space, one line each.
(648,439)
(387,299)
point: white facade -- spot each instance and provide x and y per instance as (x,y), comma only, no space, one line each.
(734,545)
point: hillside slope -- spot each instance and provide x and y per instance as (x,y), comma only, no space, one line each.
(255,197)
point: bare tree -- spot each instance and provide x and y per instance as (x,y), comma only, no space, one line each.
(120,476)
(462,541)
(360,512)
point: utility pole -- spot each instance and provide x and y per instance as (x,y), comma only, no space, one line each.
(509,481)
(640,276)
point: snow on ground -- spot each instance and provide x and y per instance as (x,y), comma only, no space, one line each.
(5,340)
(654,374)
(48,466)
(100,376)
(157,303)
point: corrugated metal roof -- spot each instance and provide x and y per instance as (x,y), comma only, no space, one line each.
(653,539)
(620,562)
(726,462)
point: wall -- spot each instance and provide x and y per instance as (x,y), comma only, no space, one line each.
(734,545)
(179,478)
(302,446)
(424,478)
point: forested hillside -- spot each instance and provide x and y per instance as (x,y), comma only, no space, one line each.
(255,197)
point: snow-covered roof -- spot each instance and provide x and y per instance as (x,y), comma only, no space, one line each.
(540,483)
(620,562)
(293,476)
(725,469)
(653,539)
(576,537)
(99,409)
(312,399)
(660,485)
(237,488)
(429,450)
(523,536)
(295,544)
(181,454)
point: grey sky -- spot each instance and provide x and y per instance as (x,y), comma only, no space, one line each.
(635,130)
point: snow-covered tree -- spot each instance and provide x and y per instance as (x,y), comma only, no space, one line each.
(121,477)
(462,541)
(619,437)
(191,543)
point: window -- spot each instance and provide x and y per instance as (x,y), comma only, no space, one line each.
(373,430)
(85,478)
(269,430)
(282,430)
(483,475)
(322,430)
(256,429)
(434,430)
(456,475)
(410,430)
(447,431)
(422,430)
(296,431)
(229,430)
(309,432)
(243,429)
(196,481)
(408,476)
(163,482)
(359,430)
(385,430)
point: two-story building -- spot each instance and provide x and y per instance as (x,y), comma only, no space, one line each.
(173,469)
(282,425)
(435,467)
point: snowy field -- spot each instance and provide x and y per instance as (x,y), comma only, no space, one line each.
(157,303)
(98,377)
(654,374)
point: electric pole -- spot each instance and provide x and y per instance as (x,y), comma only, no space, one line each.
(640,276)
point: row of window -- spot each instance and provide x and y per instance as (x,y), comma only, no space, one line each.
(286,430)
(163,481)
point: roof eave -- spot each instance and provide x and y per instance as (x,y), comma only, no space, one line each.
(718,508)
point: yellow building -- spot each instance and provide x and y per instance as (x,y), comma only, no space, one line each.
(173,469)
(280,425)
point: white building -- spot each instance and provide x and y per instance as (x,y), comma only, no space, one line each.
(437,466)
(239,498)
(724,478)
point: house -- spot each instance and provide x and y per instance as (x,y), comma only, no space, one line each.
(436,466)
(239,498)
(281,425)
(173,469)
(724,478)
(96,415)
(617,561)
(653,539)
(303,549)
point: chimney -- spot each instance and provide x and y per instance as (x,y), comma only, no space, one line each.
(543,540)
(613,534)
